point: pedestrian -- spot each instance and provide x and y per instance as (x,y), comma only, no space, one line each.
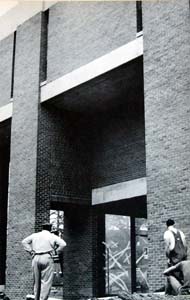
(41,246)
(175,243)
(175,247)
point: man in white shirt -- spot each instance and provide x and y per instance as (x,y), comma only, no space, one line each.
(176,249)
(41,246)
(175,243)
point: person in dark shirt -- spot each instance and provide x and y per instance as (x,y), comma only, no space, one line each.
(180,284)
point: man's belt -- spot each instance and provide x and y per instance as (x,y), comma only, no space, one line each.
(41,253)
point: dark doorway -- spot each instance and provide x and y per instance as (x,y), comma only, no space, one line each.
(5,129)
(57,221)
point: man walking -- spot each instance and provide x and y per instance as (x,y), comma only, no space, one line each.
(41,246)
(175,243)
(176,250)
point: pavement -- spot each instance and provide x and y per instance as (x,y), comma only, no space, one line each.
(153,296)
(126,296)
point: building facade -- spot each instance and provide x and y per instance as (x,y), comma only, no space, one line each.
(94,120)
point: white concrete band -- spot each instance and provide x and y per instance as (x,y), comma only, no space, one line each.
(93,69)
(6,112)
(119,191)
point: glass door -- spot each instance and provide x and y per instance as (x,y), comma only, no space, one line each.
(117,254)
(126,254)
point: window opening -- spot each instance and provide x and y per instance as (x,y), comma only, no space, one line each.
(13,64)
(139,16)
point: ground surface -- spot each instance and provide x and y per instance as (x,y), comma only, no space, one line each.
(145,297)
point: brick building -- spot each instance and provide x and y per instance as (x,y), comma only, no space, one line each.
(94,120)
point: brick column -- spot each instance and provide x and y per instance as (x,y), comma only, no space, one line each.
(78,255)
(22,198)
(167,114)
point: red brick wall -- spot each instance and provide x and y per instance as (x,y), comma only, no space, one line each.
(22,198)
(81,151)
(167,126)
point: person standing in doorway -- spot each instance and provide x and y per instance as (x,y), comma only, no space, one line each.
(175,247)
(41,246)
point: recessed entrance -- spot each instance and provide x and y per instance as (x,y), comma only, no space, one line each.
(57,221)
(5,129)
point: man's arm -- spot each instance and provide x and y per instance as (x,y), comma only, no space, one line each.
(171,269)
(27,243)
(184,243)
(183,238)
(169,242)
(60,244)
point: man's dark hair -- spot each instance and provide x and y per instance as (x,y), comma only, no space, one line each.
(47,226)
(170,222)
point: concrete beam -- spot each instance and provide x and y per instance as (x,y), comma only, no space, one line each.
(6,112)
(119,191)
(93,69)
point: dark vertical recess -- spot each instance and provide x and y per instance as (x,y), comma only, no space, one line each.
(4,178)
(133,255)
(98,255)
(139,16)
(13,64)
(44,45)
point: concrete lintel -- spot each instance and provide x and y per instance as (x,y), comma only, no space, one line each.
(119,191)
(6,112)
(93,69)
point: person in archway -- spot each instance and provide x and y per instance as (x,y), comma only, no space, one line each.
(41,246)
(176,248)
